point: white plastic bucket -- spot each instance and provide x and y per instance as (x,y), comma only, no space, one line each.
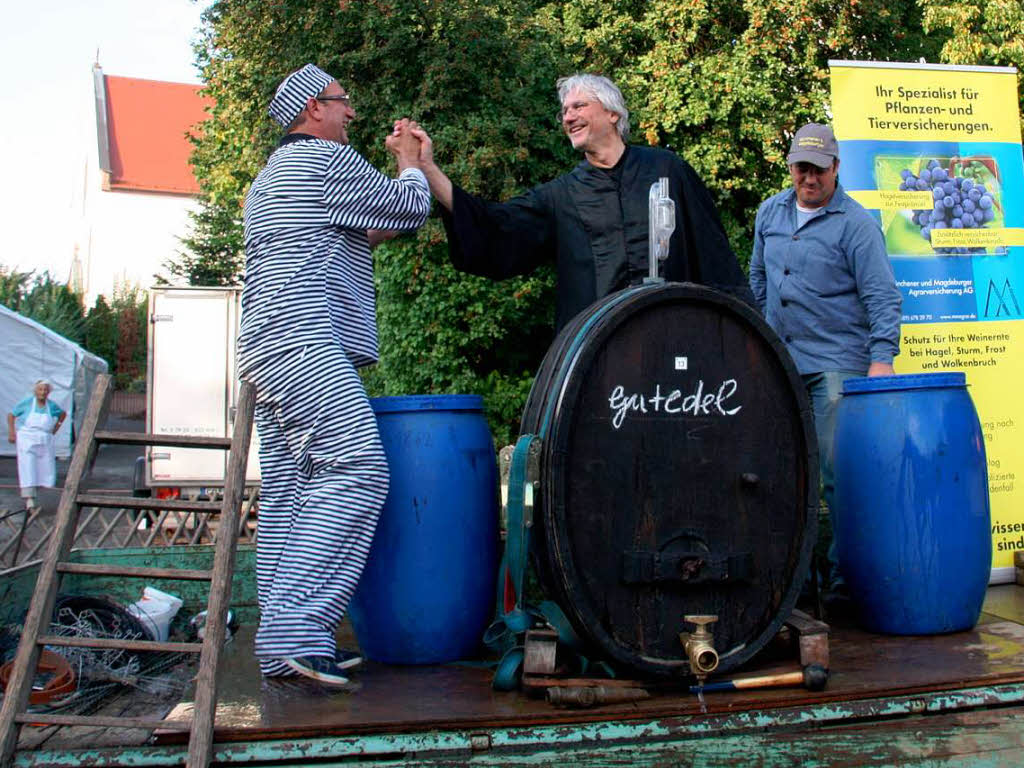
(156,610)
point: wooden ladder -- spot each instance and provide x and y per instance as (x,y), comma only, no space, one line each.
(34,637)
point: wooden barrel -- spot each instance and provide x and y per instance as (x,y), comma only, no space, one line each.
(679,476)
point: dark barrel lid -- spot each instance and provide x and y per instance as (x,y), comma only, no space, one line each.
(400,403)
(904,381)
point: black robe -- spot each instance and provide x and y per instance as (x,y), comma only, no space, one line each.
(593,223)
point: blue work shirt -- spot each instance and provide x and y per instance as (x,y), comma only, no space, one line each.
(827,288)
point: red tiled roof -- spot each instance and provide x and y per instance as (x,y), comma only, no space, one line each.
(147,122)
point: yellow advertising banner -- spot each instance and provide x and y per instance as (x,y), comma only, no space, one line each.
(935,151)
(925,104)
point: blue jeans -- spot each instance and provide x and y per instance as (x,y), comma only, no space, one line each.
(825,389)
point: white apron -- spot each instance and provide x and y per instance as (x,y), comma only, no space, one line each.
(37,450)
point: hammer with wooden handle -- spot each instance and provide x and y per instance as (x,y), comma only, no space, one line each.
(813,677)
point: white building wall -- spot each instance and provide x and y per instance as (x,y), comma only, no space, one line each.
(126,237)
(56,209)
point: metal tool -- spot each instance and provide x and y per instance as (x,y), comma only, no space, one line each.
(813,677)
(594,695)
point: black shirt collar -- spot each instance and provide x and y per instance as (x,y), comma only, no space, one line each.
(291,138)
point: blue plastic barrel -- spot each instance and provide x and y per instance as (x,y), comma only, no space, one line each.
(912,524)
(427,592)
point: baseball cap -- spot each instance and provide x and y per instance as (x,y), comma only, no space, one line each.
(814,143)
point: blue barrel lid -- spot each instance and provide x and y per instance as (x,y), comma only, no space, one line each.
(904,381)
(399,403)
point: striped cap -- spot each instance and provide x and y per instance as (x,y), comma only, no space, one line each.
(295,90)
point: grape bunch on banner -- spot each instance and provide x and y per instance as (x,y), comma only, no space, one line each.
(935,151)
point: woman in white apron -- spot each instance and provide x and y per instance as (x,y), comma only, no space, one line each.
(32,424)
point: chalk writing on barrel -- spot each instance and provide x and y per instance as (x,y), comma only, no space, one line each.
(696,404)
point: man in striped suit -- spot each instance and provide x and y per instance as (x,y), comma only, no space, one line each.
(308,323)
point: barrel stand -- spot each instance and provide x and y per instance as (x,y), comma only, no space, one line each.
(543,676)
(811,636)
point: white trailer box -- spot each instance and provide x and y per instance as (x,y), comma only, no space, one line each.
(192,385)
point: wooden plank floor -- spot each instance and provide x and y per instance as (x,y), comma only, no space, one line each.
(122,701)
(389,698)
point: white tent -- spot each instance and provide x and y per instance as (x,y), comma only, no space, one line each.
(30,352)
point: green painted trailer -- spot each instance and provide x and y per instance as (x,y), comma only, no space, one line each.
(939,700)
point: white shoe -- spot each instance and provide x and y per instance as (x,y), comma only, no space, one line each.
(319,668)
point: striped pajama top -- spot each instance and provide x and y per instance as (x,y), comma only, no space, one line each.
(308,268)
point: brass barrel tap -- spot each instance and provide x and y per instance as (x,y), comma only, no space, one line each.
(700,647)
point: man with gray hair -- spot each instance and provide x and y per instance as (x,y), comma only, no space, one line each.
(593,221)
(308,323)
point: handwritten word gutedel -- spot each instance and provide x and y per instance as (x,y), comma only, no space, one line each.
(696,404)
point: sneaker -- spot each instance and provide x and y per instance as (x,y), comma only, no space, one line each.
(319,668)
(347,659)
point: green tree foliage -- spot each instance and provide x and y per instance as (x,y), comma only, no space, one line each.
(116,332)
(13,286)
(723,83)
(726,82)
(44,300)
(980,32)
(480,76)
(101,331)
(57,307)
(130,309)
(212,253)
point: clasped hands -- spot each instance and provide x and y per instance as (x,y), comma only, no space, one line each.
(412,148)
(410,145)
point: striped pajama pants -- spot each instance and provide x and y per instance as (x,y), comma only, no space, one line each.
(325,478)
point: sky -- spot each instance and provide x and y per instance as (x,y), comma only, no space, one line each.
(47,50)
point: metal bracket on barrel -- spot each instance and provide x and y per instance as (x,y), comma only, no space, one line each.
(523,478)
(532,485)
(540,649)
(813,638)
(528,477)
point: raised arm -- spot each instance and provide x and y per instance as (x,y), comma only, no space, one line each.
(358,196)
(496,240)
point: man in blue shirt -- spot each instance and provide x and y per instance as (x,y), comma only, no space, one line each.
(821,277)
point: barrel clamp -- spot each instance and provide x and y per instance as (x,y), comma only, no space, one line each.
(523,479)
(521,468)
(532,484)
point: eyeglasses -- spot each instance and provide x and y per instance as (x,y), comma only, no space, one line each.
(577,107)
(805,168)
(344,98)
